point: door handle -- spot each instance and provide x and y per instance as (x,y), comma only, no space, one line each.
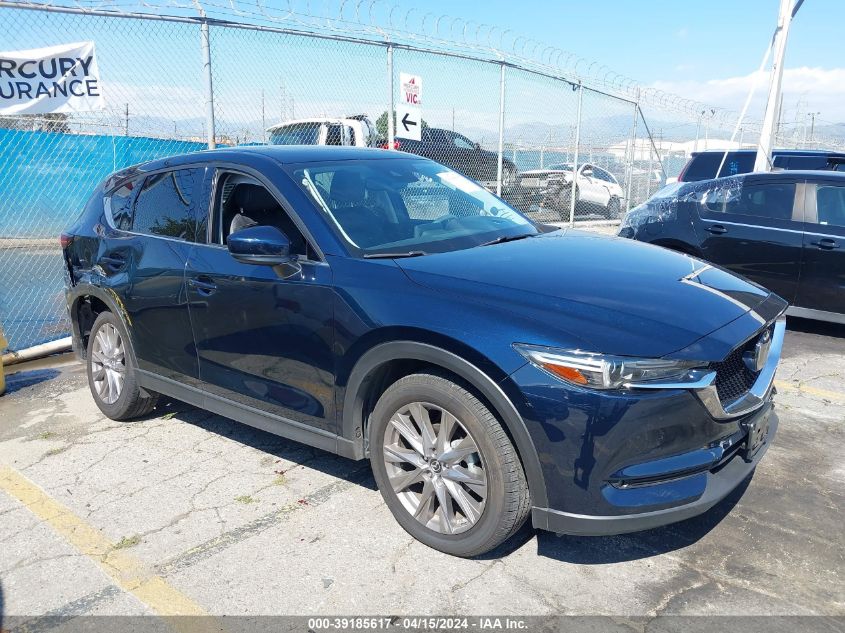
(826,244)
(716,229)
(204,288)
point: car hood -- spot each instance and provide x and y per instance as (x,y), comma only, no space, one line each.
(615,295)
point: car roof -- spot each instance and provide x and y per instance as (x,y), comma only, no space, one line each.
(318,120)
(285,154)
(779,152)
(784,174)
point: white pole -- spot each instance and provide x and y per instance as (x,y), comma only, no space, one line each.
(501,129)
(633,152)
(575,171)
(767,134)
(391,135)
(209,97)
(205,42)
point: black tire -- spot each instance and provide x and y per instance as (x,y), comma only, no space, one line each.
(613,209)
(508,177)
(507,502)
(133,401)
(566,203)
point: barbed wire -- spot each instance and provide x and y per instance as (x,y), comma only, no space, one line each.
(384,20)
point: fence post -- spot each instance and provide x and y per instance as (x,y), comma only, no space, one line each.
(391,133)
(633,152)
(501,128)
(573,187)
(209,96)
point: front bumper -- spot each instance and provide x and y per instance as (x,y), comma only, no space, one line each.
(715,484)
(629,460)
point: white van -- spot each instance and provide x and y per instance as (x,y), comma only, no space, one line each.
(354,131)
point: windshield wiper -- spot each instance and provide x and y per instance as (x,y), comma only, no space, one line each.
(394,255)
(507,238)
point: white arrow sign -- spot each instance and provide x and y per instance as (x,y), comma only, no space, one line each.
(408,122)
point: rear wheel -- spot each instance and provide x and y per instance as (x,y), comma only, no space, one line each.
(111,371)
(445,466)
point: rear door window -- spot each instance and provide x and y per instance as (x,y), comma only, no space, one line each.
(773,201)
(830,205)
(172,204)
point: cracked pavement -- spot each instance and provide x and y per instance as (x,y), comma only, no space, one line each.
(245,523)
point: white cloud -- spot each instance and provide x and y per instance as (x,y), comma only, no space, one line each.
(818,90)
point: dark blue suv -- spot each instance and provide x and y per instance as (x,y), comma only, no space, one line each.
(381,306)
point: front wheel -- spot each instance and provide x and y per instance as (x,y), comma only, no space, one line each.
(565,205)
(508,177)
(614,208)
(445,466)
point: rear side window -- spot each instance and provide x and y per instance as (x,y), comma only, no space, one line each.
(807,162)
(334,134)
(119,205)
(830,205)
(704,166)
(296,134)
(172,204)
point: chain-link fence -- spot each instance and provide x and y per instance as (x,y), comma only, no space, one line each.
(185,81)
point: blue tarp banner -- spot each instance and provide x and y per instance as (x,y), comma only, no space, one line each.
(45,180)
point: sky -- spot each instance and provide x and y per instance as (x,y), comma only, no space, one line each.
(706,50)
(701,49)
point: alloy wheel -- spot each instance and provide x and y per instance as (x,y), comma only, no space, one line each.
(108,363)
(435,468)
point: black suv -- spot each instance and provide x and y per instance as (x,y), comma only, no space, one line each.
(461,154)
(703,165)
(783,230)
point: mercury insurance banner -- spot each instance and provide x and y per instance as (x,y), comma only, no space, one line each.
(61,78)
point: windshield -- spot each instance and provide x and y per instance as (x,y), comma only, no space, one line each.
(296,134)
(407,206)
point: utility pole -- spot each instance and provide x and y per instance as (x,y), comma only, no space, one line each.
(698,130)
(767,134)
(263,120)
(707,129)
(813,116)
(126,121)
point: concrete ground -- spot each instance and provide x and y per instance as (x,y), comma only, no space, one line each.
(187,512)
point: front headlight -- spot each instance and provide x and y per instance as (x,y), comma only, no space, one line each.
(599,371)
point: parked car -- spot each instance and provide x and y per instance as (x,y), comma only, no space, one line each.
(356,131)
(597,190)
(384,307)
(782,230)
(461,154)
(703,165)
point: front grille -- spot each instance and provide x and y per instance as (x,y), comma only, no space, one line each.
(733,377)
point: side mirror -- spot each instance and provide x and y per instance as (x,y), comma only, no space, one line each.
(262,245)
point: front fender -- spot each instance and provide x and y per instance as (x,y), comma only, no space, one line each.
(356,388)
